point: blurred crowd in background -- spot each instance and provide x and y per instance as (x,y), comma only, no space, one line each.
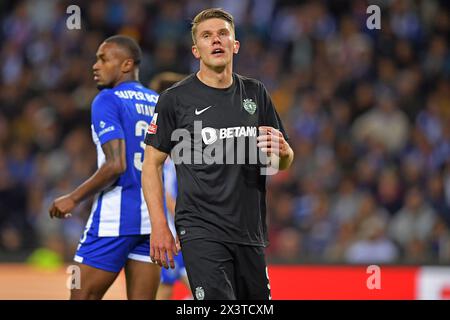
(367,111)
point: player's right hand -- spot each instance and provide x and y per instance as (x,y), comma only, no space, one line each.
(163,247)
(62,207)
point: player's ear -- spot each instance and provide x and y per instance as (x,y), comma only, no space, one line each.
(236,46)
(195,52)
(127,65)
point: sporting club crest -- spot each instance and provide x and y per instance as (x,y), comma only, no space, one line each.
(249,106)
(199,293)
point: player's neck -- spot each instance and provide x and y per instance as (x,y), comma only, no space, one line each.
(127,77)
(216,79)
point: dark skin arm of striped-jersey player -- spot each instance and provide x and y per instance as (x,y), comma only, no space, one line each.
(162,244)
(114,165)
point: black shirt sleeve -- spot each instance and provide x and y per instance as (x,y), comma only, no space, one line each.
(163,124)
(271,117)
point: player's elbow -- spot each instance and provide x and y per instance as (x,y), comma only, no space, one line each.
(117,168)
(120,167)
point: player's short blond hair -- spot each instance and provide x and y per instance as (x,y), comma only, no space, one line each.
(211,13)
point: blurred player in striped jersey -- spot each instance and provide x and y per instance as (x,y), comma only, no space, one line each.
(117,232)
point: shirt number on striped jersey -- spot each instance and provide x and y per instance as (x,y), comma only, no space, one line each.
(140,130)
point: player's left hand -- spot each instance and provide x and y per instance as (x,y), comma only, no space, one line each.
(62,207)
(271,141)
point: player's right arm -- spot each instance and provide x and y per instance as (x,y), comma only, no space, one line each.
(162,243)
(114,165)
(108,129)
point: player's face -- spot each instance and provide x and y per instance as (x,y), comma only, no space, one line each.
(107,68)
(215,43)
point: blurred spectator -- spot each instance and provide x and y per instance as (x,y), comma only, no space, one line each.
(429,121)
(288,246)
(436,197)
(346,236)
(319,227)
(440,242)
(389,191)
(411,227)
(373,246)
(385,125)
(346,202)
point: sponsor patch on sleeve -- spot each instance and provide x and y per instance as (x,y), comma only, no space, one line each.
(152,127)
(104,130)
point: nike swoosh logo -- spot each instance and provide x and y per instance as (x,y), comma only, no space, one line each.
(197,112)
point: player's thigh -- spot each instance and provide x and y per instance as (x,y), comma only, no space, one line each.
(142,280)
(251,272)
(100,260)
(141,273)
(210,269)
(93,283)
(104,258)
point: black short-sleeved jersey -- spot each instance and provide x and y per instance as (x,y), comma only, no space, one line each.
(221,190)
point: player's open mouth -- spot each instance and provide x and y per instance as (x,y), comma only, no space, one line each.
(96,77)
(217,52)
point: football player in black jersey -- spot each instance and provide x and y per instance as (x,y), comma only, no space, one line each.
(216,125)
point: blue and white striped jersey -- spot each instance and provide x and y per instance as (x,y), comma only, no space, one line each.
(122,112)
(170,187)
(170,178)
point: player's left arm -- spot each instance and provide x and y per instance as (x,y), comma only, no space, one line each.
(272,141)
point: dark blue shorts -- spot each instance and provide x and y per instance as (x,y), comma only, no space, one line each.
(111,253)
